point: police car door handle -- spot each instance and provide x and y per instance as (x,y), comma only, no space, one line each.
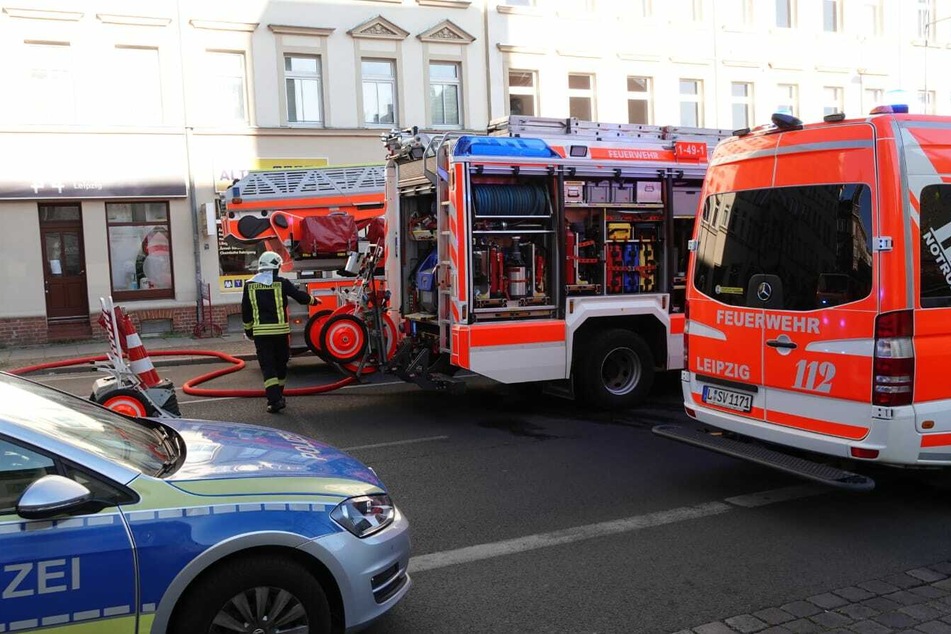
(780,343)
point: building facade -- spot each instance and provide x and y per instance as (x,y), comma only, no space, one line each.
(123,120)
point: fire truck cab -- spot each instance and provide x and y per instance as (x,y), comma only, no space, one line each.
(819,295)
(549,250)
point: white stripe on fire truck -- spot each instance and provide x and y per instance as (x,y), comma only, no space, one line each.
(850,347)
(696,328)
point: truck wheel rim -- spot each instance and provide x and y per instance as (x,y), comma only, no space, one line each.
(261,610)
(620,371)
(344,339)
(126,405)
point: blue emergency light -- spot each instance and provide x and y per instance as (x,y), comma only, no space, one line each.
(503,146)
(896,108)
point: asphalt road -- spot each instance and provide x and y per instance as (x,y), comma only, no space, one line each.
(531,513)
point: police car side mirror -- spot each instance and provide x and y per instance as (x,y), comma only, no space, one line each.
(50,496)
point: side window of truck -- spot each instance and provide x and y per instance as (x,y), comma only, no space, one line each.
(816,240)
(935,282)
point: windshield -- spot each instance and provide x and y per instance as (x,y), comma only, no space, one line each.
(83,424)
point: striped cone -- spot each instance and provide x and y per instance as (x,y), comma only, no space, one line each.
(139,361)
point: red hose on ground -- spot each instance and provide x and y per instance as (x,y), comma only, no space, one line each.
(189,386)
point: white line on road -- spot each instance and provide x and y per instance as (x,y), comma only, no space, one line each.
(396,443)
(215,399)
(480,552)
(566,536)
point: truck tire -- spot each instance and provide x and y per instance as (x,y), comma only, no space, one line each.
(615,369)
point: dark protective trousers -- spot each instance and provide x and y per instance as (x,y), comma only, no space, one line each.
(273,354)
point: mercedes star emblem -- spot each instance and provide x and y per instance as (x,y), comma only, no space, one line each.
(764,292)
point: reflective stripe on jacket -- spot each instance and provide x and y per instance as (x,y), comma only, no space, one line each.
(264,305)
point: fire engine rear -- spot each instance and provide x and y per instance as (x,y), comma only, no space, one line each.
(550,250)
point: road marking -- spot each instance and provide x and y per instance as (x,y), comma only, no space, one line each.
(480,552)
(469,554)
(396,443)
(763,498)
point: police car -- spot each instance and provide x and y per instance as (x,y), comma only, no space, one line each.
(110,525)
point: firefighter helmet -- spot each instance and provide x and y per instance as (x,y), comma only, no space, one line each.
(270,261)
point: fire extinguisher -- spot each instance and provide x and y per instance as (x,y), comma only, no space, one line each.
(496,271)
(539,274)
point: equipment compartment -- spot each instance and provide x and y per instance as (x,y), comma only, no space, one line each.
(513,247)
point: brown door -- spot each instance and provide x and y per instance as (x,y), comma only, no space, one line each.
(64,263)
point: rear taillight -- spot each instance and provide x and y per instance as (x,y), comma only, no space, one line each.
(686,331)
(893,369)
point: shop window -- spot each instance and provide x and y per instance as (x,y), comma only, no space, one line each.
(140,250)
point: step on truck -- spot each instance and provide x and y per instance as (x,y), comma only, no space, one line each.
(819,295)
(548,250)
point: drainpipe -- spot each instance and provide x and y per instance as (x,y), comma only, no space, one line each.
(192,196)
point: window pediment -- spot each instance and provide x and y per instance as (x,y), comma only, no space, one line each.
(378,28)
(446,31)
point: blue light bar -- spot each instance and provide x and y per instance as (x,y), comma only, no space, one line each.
(503,146)
(897,108)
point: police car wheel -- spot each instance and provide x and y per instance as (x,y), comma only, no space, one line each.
(616,369)
(264,595)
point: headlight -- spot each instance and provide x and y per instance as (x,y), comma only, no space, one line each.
(365,515)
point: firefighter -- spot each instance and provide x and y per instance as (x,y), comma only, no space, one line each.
(264,316)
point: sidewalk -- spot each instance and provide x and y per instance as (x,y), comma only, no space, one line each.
(231,343)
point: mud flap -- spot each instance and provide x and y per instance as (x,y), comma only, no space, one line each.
(762,455)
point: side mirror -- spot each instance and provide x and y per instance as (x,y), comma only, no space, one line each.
(50,496)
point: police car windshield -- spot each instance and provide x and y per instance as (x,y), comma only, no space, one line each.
(82,424)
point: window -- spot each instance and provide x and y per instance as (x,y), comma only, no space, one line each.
(19,468)
(741,95)
(523,96)
(695,10)
(445,94)
(925,23)
(639,100)
(379,92)
(49,94)
(788,99)
(639,8)
(581,97)
(785,14)
(138,95)
(140,250)
(831,100)
(736,13)
(816,239)
(935,245)
(926,101)
(831,16)
(872,97)
(691,112)
(227,97)
(302,86)
(872,18)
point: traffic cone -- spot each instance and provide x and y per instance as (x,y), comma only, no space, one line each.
(139,361)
